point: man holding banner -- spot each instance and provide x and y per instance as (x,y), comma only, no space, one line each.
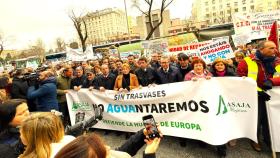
(264,68)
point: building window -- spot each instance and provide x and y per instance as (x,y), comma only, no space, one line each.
(206,3)
(236,10)
(252,7)
(244,9)
(243,1)
(221,13)
(228,11)
(207,15)
(252,1)
(235,4)
(213,1)
(214,14)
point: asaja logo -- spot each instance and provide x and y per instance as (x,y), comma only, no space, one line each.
(81,106)
(224,107)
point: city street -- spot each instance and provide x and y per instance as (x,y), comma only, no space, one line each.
(170,148)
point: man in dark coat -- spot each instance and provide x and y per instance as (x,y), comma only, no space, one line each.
(145,74)
(106,80)
(19,86)
(166,73)
(77,82)
(45,94)
(184,65)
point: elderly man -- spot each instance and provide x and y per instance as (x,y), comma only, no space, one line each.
(166,73)
(45,93)
(264,68)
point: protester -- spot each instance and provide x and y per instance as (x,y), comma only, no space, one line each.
(264,68)
(199,71)
(3,93)
(78,80)
(155,61)
(45,92)
(167,73)
(239,55)
(127,81)
(145,74)
(184,64)
(43,135)
(119,66)
(106,81)
(12,113)
(91,146)
(132,63)
(90,80)
(63,85)
(19,86)
(220,68)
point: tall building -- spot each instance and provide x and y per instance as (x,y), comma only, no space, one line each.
(221,11)
(104,24)
(143,27)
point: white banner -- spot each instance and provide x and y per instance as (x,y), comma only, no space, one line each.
(273,111)
(212,110)
(79,55)
(258,24)
(217,49)
(241,39)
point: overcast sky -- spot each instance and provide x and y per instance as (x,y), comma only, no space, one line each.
(24,21)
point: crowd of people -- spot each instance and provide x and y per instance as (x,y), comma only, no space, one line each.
(42,134)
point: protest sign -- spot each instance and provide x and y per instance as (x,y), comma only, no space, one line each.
(212,110)
(257,25)
(189,49)
(273,111)
(217,49)
(241,39)
(156,46)
(135,53)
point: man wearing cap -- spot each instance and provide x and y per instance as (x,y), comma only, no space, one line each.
(184,64)
(264,68)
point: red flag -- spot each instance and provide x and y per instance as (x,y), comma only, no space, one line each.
(274,36)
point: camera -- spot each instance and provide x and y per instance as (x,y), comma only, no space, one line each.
(82,125)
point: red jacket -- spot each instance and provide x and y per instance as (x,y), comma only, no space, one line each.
(242,70)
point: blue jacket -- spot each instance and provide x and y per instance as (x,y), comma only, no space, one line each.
(45,95)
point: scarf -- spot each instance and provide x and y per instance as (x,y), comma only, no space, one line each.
(221,73)
(268,62)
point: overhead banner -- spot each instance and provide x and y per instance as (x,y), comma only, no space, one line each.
(212,110)
(218,49)
(189,49)
(273,111)
(258,24)
(241,39)
(78,54)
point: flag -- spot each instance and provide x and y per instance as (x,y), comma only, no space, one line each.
(274,36)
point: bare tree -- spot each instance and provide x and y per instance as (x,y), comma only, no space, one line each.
(1,42)
(60,45)
(79,22)
(150,3)
(37,49)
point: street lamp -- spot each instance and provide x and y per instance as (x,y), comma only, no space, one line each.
(127,21)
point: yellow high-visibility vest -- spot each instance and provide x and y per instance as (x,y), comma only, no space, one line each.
(253,70)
